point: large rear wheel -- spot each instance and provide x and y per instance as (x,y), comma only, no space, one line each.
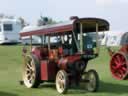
(119,66)
(61,82)
(31,74)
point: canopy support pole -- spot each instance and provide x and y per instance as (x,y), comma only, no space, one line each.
(81,38)
(31,43)
(48,43)
(97,36)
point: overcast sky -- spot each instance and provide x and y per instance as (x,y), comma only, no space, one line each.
(115,11)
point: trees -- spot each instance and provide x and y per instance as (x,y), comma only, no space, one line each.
(23,22)
(2,15)
(45,20)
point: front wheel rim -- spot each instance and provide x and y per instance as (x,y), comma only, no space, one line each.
(92,82)
(61,82)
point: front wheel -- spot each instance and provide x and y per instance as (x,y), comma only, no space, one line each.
(61,82)
(93,81)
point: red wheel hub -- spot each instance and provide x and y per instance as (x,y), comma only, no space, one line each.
(119,66)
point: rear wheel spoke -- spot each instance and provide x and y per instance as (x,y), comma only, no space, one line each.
(124,69)
(28,66)
(114,67)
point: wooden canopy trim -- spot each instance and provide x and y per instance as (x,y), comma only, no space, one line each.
(48,31)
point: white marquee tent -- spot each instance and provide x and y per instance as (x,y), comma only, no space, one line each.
(115,38)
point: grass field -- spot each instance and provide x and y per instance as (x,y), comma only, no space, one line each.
(10,74)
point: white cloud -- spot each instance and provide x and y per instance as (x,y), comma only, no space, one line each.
(104,2)
(123,1)
(110,2)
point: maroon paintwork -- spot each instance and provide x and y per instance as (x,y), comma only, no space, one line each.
(49,66)
(48,70)
(124,49)
(62,63)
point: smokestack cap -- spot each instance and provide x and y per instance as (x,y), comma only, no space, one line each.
(74,17)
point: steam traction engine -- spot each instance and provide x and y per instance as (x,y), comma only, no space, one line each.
(63,54)
(119,60)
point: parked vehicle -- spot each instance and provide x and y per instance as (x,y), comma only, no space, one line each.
(65,60)
(9,31)
(112,38)
(27,40)
(119,59)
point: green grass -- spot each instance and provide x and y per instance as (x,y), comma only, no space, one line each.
(10,74)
